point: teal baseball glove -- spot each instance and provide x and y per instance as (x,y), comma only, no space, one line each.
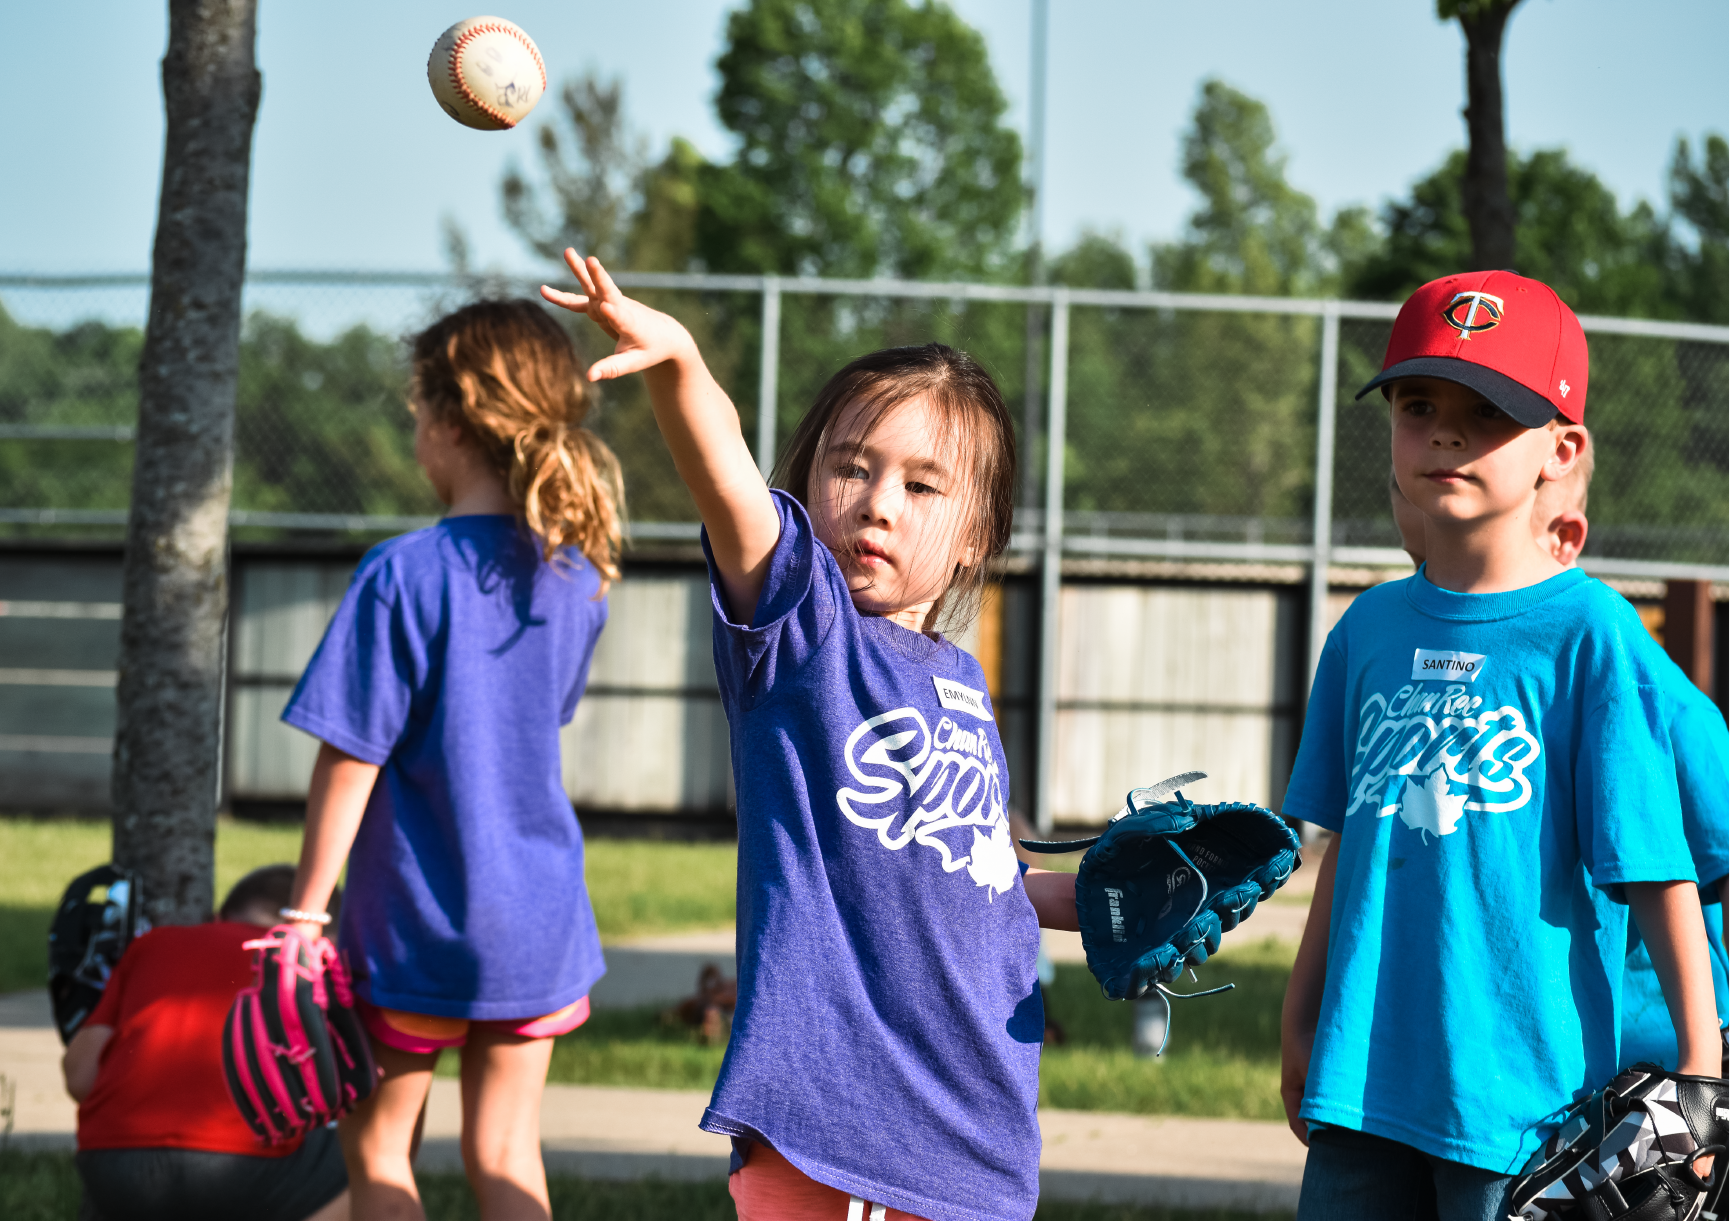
(1157,889)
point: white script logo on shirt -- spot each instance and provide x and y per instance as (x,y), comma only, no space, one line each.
(1434,753)
(916,783)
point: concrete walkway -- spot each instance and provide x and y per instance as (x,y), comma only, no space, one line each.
(601,1132)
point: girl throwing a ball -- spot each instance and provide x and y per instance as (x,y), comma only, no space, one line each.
(884,1057)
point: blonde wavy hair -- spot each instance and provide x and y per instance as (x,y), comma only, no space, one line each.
(506,374)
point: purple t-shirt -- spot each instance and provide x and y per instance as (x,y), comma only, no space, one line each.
(454,658)
(888,1030)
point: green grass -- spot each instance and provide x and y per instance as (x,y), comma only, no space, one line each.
(1223,1058)
(38,1186)
(44,1187)
(40,857)
(638,887)
(642,887)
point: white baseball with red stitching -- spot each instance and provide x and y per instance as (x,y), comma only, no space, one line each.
(486,73)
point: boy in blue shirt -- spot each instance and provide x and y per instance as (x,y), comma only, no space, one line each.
(1487,743)
(1699,742)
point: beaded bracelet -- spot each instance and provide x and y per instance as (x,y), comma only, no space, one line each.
(298,916)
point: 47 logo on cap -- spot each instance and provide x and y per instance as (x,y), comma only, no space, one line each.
(1473,312)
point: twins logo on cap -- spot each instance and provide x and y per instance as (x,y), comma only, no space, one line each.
(1509,338)
(1473,312)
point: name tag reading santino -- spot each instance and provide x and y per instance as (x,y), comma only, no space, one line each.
(1448,665)
(957,698)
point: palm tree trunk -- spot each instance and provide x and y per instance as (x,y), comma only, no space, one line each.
(1484,194)
(166,746)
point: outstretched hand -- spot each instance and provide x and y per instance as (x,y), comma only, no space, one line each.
(645,337)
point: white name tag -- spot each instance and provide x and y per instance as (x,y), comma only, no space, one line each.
(957,698)
(1441,665)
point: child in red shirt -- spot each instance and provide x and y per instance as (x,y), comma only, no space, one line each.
(158,1135)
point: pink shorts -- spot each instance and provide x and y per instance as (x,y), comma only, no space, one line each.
(771,1188)
(422,1032)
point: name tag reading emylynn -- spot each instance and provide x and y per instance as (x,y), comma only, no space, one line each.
(957,698)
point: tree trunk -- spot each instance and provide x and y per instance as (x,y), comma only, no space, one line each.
(1484,194)
(166,745)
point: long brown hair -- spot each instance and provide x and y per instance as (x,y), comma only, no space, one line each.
(506,374)
(970,410)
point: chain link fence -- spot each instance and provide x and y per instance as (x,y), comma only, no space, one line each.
(1179,429)
(1189,424)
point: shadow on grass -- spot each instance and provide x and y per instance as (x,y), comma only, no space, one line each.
(24,946)
(1222,1059)
(44,1187)
(38,1186)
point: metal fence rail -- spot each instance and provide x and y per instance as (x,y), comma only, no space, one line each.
(1176,427)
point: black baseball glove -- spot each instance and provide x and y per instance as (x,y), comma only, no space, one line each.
(1627,1153)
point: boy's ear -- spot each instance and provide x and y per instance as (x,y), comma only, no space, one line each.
(1565,537)
(1570,441)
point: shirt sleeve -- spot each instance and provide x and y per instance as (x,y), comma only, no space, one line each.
(593,623)
(1317,792)
(757,652)
(1702,749)
(1625,794)
(358,688)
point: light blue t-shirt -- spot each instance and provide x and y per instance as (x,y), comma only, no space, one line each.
(1495,766)
(1701,745)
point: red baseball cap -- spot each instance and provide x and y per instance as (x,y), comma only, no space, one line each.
(1509,338)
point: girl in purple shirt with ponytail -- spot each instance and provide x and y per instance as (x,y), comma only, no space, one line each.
(437,694)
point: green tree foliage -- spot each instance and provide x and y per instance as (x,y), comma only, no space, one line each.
(1207,413)
(1697,197)
(871,142)
(1096,261)
(319,427)
(1571,233)
(594,169)
(1254,231)
(599,192)
(84,377)
(324,427)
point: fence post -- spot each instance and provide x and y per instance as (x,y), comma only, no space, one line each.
(1322,525)
(1688,629)
(769,374)
(1051,562)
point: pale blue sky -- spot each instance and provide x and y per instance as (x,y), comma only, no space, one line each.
(354,164)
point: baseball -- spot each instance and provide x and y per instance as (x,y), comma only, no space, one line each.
(486,73)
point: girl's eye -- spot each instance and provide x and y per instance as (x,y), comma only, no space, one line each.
(922,489)
(850,470)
